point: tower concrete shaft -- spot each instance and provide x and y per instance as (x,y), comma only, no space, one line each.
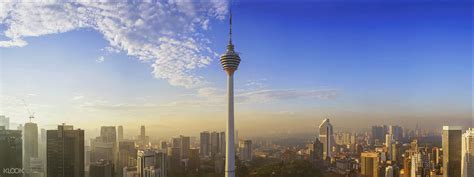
(230,149)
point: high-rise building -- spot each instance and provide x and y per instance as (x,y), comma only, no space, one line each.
(159,167)
(65,152)
(101,168)
(120,133)
(5,122)
(144,140)
(127,156)
(142,132)
(316,150)
(214,143)
(396,131)
(194,160)
(174,158)
(467,154)
(11,152)
(369,164)
(104,147)
(145,158)
(42,148)
(245,150)
(152,163)
(185,145)
(452,151)
(108,134)
(230,62)
(30,149)
(222,143)
(378,134)
(326,137)
(161,163)
(388,145)
(205,143)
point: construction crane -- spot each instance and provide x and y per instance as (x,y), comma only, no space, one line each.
(31,115)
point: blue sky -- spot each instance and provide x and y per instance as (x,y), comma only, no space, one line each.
(368,62)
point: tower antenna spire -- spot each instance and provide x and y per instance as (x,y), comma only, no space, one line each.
(230,24)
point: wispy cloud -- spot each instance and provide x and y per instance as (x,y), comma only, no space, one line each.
(166,34)
(210,96)
(213,97)
(100,59)
(78,97)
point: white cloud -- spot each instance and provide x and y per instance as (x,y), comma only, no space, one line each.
(78,97)
(100,59)
(165,34)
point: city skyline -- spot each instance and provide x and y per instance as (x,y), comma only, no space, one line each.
(418,67)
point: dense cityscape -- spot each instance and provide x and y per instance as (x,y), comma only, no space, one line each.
(103,122)
(385,151)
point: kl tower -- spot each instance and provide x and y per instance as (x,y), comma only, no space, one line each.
(230,61)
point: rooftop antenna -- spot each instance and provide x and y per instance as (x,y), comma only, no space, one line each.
(31,115)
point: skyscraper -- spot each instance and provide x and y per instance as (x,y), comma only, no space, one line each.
(31,145)
(42,148)
(185,145)
(378,134)
(326,137)
(174,159)
(5,121)
(369,164)
(10,152)
(145,158)
(214,143)
(194,160)
(104,147)
(388,145)
(467,154)
(396,131)
(205,142)
(230,62)
(245,150)
(127,156)
(452,151)
(65,152)
(151,163)
(120,133)
(222,143)
(142,137)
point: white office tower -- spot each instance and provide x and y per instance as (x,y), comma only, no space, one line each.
(389,171)
(230,61)
(326,137)
(388,145)
(467,153)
